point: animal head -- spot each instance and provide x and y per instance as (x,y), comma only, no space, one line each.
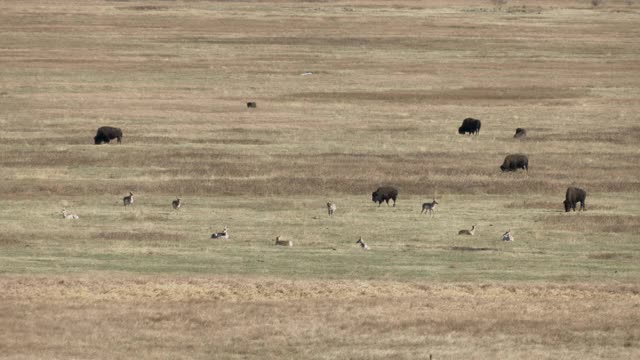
(567,206)
(374,196)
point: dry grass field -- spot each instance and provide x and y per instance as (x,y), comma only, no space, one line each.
(391,82)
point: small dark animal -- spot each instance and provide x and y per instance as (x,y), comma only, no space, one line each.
(520,133)
(252,105)
(107,133)
(573,196)
(514,162)
(385,193)
(470,125)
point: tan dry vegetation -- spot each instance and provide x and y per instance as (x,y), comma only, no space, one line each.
(391,83)
(274,318)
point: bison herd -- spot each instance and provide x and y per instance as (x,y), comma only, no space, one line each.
(471,126)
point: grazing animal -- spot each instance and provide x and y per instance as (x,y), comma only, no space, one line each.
(69,216)
(573,196)
(176,204)
(252,105)
(128,200)
(107,133)
(514,162)
(221,235)
(470,126)
(520,133)
(429,207)
(468,232)
(385,193)
(280,242)
(331,208)
(362,244)
(507,236)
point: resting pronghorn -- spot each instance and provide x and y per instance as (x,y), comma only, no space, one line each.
(128,200)
(429,207)
(331,208)
(221,235)
(362,244)
(176,203)
(283,242)
(68,215)
(507,236)
(467,232)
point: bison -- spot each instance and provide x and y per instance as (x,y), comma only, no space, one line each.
(470,125)
(252,104)
(107,133)
(573,196)
(514,162)
(520,133)
(385,193)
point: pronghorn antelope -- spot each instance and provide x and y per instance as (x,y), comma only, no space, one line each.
(468,232)
(283,242)
(128,200)
(68,215)
(221,235)
(176,203)
(331,208)
(362,244)
(429,207)
(507,236)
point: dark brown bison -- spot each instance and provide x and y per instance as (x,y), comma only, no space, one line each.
(470,125)
(514,162)
(573,196)
(385,193)
(252,104)
(520,133)
(107,133)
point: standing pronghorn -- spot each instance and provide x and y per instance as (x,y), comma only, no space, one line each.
(507,236)
(331,208)
(362,244)
(176,203)
(429,207)
(68,215)
(128,200)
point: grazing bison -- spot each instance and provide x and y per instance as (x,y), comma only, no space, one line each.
(106,134)
(470,125)
(385,193)
(573,196)
(520,133)
(252,104)
(514,162)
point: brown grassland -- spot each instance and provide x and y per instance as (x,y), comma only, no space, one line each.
(391,83)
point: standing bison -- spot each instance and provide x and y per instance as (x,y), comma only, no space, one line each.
(385,193)
(107,133)
(573,196)
(514,162)
(470,125)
